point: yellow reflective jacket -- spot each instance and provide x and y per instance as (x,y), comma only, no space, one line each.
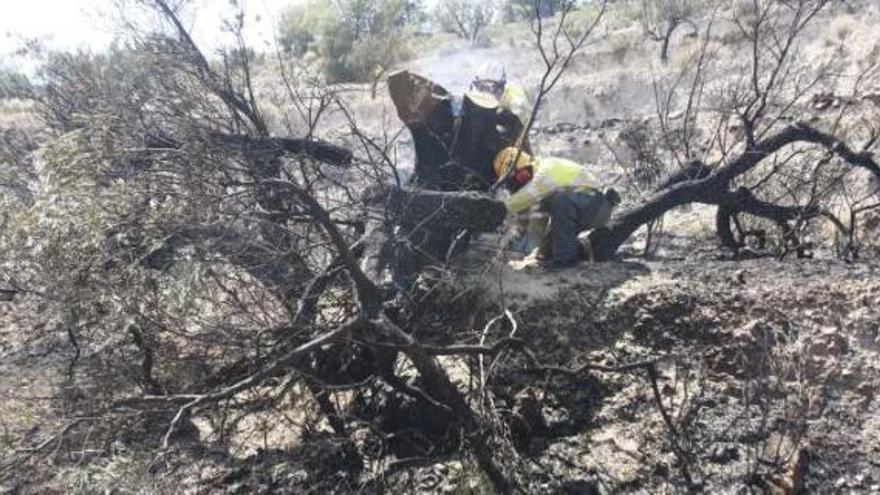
(515,100)
(550,175)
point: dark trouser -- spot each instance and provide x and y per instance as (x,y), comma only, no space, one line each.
(571,213)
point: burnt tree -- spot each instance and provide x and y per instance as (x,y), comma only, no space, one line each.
(714,189)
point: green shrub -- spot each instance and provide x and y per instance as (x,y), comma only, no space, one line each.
(13,84)
(355,40)
(521,10)
(302,24)
(465,18)
(620,44)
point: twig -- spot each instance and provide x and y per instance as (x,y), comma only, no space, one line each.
(256,378)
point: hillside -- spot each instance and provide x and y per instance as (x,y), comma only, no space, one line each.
(157,346)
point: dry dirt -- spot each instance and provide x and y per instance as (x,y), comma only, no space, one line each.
(768,369)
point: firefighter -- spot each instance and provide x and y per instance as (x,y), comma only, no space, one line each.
(491,78)
(565,190)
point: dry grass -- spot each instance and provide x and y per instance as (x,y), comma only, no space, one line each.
(621,44)
(14,112)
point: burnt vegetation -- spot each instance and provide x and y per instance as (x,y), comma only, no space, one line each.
(216,275)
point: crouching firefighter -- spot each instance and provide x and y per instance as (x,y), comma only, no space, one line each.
(565,191)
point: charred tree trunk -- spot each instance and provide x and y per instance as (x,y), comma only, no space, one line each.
(723,218)
(421,228)
(454,152)
(713,189)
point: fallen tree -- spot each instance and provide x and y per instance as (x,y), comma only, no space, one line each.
(715,189)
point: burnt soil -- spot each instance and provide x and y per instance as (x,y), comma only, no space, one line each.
(768,371)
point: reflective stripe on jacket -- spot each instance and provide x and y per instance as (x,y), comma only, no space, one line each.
(515,100)
(550,175)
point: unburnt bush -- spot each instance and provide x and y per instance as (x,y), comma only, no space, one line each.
(353,40)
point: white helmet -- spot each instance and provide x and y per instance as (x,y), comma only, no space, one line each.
(490,77)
